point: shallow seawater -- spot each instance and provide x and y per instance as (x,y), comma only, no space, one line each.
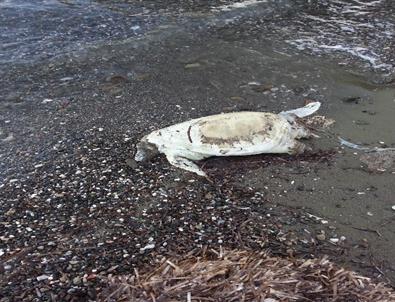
(343,27)
(34,30)
(369,119)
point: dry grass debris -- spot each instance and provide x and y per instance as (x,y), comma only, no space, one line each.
(245,276)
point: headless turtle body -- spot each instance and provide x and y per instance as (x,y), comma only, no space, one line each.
(229,134)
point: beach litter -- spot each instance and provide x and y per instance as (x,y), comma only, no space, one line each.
(376,159)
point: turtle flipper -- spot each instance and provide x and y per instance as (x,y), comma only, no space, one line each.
(185,164)
(307,110)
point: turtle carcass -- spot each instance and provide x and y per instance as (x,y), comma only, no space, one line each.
(228,134)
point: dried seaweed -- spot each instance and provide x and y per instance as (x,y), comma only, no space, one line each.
(244,276)
(215,165)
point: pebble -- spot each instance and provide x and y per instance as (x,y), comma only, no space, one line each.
(334,240)
(130,162)
(10,212)
(65,79)
(46,101)
(365,243)
(393,207)
(76,280)
(321,237)
(148,247)
(192,65)
(42,277)
(7,267)
(9,138)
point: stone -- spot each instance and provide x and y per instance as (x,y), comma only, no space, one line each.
(76,280)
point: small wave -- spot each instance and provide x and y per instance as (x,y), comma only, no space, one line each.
(354,28)
(243,4)
(362,53)
(32,5)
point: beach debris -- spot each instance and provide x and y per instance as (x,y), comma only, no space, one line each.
(348,144)
(319,121)
(238,275)
(376,159)
(379,160)
(228,134)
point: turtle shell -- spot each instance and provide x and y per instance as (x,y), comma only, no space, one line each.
(238,133)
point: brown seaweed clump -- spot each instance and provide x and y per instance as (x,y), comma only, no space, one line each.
(245,276)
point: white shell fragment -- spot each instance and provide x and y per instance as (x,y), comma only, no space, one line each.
(46,101)
(229,134)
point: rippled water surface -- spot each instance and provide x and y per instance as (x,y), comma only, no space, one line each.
(361,30)
(33,30)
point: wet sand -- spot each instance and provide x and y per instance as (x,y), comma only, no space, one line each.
(75,206)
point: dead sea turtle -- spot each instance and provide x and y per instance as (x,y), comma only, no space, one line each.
(228,134)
